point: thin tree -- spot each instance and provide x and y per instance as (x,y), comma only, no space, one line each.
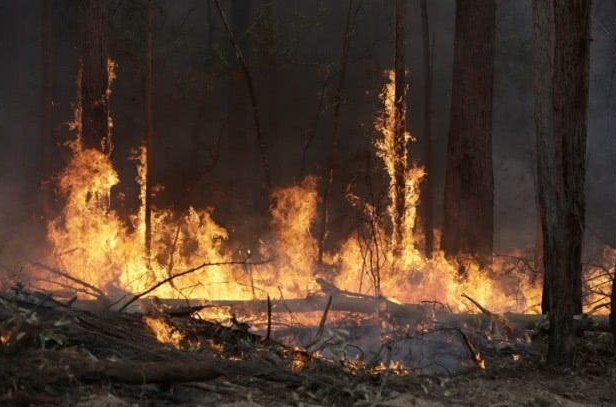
(399,203)
(469,182)
(333,151)
(562,35)
(148,82)
(237,103)
(47,139)
(251,92)
(271,70)
(427,184)
(95,76)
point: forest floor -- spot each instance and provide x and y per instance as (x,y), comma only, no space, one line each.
(52,354)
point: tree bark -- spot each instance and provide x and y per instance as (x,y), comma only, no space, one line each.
(426,203)
(237,108)
(95,77)
(47,81)
(148,82)
(333,150)
(562,31)
(613,307)
(245,69)
(271,77)
(400,128)
(469,182)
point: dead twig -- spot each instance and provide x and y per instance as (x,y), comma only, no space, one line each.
(324,317)
(68,277)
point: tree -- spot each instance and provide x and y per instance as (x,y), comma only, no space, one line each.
(561,34)
(469,182)
(399,203)
(427,184)
(333,151)
(47,139)
(237,108)
(148,81)
(95,75)
(613,306)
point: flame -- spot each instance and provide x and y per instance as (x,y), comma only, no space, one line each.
(163,331)
(367,259)
(93,243)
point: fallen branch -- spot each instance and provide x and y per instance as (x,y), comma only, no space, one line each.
(184,273)
(68,277)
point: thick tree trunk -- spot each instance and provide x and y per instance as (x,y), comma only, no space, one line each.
(399,203)
(562,30)
(148,82)
(426,203)
(47,81)
(95,77)
(469,182)
(333,151)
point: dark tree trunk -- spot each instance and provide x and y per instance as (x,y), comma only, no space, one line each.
(562,34)
(148,82)
(47,80)
(400,128)
(613,307)
(199,164)
(426,203)
(237,108)
(94,77)
(333,151)
(539,270)
(271,78)
(469,182)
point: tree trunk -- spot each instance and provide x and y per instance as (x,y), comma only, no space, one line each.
(95,77)
(399,203)
(237,108)
(469,182)
(148,82)
(427,184)
(562,31)
(47,138)
(271,78)
(333,152)
(613,307)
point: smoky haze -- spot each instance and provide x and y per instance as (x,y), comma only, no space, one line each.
(195,74)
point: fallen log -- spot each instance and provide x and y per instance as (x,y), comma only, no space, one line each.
(408,313)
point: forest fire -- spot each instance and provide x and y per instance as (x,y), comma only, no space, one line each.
(240,213)
(91,242)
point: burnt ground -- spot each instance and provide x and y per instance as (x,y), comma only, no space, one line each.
(55,355)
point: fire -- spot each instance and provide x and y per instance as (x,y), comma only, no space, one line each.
(163,331)
(94,244)
(368,259)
